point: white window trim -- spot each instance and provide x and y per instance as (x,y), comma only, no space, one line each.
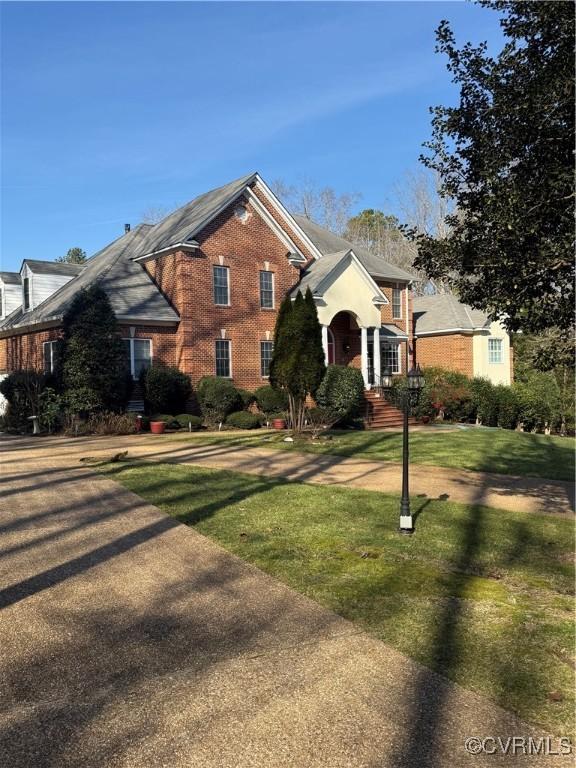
(28,276)
(265,341)
(382,357)
(500,348)
(269,271)
(396,288)
(51,343)
(230,375)
(214,268)
(131,341)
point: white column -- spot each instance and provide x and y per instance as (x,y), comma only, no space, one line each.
(377,355)
(325,342)
(364,348)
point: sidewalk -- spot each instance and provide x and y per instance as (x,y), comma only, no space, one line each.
(520,494)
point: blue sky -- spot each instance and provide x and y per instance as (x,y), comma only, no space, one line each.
(109,109)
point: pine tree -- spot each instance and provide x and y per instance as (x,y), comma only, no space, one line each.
(95,372)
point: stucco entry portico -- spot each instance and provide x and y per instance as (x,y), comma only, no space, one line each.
(348,288)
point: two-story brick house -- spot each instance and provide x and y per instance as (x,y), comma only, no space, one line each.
(200,290)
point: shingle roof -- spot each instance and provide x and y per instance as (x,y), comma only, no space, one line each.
(53,267)
(181,225)
(10,278)
(329,243)
(443,312)
(129,287)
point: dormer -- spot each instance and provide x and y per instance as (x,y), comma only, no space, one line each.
(10,293)
(40,279)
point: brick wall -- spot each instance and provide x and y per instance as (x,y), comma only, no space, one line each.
(452,351)
(187,281)
(25,352)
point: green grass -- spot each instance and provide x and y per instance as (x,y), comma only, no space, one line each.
(477,449)
(480,595)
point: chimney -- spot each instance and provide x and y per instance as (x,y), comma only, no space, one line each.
(126,228)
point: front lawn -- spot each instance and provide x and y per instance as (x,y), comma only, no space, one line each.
(477,449)
(481,595)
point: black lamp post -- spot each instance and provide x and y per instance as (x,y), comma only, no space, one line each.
(409,397)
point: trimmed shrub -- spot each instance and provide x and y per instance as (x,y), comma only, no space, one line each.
(271,401)
(485,400)
(243,420)
(145,423)
(186,419)
(508,406)
(166,389)
(247,398)
(217,398)
(341,392)
(539,401)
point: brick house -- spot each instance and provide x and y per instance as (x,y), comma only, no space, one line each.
(200,290)
(453,335)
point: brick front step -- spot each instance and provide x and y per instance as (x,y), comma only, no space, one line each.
(380,414)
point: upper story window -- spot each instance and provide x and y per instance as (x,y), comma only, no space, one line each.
(139,354)
(26,293)
(494,350)
(49,350)
(222,286)
(266,348)
(223,366)
(397,303)
(1,301)
(266,289)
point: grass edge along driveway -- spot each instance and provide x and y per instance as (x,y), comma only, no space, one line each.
(479,595)
(471,448)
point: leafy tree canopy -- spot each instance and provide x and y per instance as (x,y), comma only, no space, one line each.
(505,157)
(73,256)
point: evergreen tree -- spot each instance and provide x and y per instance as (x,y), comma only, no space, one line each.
(73,256)
(505,155)
(95,371)
(297,365)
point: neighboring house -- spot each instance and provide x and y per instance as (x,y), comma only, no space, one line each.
(200,290)
(10,293)
(452,335)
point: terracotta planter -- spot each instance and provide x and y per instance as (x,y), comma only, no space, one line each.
(278,423)
(157,427)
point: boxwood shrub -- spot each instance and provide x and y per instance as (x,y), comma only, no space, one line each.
(217,398)
(166,389)
(341,392)
(243,420)
(271,401)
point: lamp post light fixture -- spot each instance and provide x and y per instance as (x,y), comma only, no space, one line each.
(409,397)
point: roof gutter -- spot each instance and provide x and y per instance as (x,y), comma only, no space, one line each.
(192,245)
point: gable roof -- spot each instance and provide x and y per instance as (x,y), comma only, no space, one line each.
(443,312)
(53,267)
(10,278)
(132,293)
(329,243)
(182,225)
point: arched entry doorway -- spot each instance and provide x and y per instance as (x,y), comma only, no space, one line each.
(344,346)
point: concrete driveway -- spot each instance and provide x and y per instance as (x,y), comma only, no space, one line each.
(127,639)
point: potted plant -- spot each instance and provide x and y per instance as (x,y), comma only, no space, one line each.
(157,427)
(278,421)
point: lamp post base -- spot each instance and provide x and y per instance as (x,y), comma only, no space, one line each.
(406,524)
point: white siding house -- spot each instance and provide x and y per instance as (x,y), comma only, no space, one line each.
(40,279)
(10,293)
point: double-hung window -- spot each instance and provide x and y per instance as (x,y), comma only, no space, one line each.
(266,289)
(49,350)
(221,286)
(139,354)
(391,357)
(223,366)
(266,348)
(494,350)
(397,303)
(26,293)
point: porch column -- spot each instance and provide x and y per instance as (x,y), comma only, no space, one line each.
(325,342)
(377,356)
(364,350)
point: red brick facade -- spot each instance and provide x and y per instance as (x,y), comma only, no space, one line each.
(452,351)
